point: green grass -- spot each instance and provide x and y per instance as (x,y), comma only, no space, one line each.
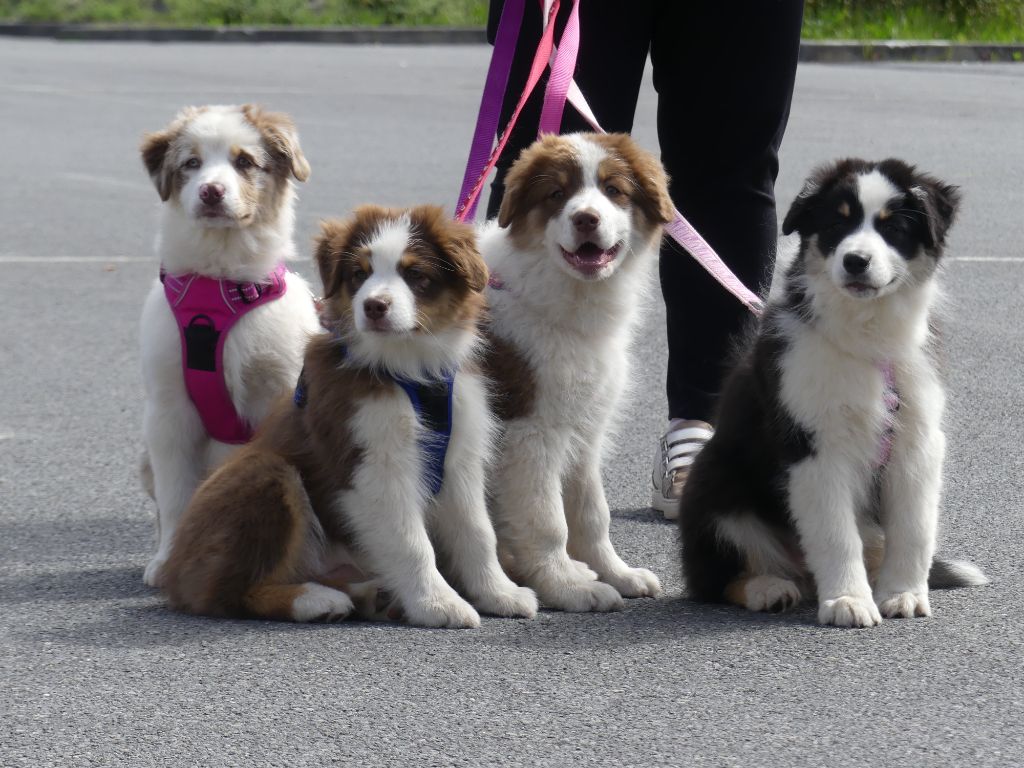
(460,13)
(962,20)
(991,21)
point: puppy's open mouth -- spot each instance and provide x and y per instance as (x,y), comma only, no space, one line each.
(590,258)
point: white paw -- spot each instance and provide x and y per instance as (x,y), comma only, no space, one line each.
(903,605)
(578,596)
(770,593)
(152,572)
(509,601)
(849,611)
(442,609)
(634,582)
(320,603)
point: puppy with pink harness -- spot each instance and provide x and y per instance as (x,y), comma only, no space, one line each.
(224,329)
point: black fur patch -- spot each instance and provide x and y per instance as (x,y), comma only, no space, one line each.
(744,467)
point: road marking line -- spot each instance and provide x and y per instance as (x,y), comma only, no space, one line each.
(10,258)
(7,258)
(89,178)
(988,259)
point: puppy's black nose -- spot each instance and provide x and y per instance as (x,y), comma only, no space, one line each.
(585,221)
(856,263)
(211,194)
(375,309)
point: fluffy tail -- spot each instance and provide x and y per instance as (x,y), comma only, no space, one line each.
(948,574)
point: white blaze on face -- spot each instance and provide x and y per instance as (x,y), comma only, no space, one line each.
(213,137)
(613,223)
(885,264)
(386,283)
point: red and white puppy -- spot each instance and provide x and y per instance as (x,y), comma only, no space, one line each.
(344,464)
(224,175)
(571,251)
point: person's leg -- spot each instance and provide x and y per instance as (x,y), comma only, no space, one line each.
(724,78)
(725,81)
(609,70)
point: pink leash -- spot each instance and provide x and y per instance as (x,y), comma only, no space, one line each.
(561,88)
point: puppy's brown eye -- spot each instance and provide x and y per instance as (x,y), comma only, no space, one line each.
(192,162)
(419,281)
(360,275)
(612,191)
(556,194)
(243,163)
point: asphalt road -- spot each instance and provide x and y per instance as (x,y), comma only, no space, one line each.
(94,670)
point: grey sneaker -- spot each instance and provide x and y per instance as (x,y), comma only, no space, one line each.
(679,447)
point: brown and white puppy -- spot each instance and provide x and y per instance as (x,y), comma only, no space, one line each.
(578,230)
(345,463)
(225,178)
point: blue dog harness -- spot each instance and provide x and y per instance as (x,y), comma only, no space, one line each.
(432,401)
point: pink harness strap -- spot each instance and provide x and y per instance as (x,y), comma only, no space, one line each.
(205,309)
(891,398)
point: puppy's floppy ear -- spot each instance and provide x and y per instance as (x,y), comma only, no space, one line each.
(801,212)
(281,139)
(456,241)
(940,202)
(330,243)
(154,153)
(514,203)
(465,256)
(653,181)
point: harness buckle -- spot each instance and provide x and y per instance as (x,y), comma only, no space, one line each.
(249,292)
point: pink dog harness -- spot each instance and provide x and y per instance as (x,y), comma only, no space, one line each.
(205,309)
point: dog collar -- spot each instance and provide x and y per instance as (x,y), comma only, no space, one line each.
(205,309)
(431,399)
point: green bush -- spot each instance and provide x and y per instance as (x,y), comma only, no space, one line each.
(961,20)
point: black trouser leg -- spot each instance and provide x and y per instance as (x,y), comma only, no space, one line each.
(724,75)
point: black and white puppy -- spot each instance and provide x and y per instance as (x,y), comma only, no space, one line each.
(825,469)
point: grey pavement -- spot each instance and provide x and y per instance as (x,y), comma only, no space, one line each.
(94,670)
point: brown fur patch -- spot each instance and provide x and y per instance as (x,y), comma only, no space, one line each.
(538,184)
(260,521)
(644,176)
(280,139)
(513,383)
(736,590)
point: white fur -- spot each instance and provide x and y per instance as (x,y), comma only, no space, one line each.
(835,360)
(320,602)
(548,500)
(263,353)
(388,507)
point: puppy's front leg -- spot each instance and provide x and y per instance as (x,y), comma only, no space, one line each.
(459,515)
(173,437)
(586,511)
(822,504)
(527,504)
(386,509)
(911,488)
